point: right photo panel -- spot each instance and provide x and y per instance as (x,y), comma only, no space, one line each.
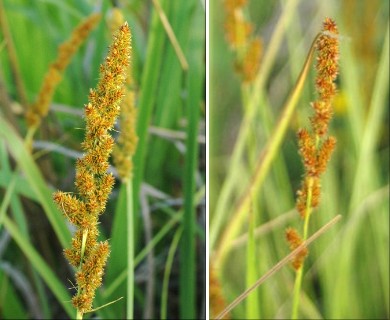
(299,159)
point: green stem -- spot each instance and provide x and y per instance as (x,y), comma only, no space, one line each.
(167,272)
(297,289)
(83,242)
(188,275)
(298,276)
(130,250)
(252,303)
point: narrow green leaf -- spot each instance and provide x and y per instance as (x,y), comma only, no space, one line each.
(41,267)
(167,272)
(36,181)
(195,53)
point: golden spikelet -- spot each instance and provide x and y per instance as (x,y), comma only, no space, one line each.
(127,141)
(217,301)
(237,28)
(92,181)
(294,239)
(250,64)
(247,48)
(66,51)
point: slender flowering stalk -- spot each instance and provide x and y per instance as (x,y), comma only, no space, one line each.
(122,154)
(127,141)
(66,51)
(93,183)
(315,146)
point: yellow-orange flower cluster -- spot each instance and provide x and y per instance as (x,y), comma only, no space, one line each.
(327,70)
(66,51)
(127,140)
(92,181)
(217,301)
(315,148)
(236,27)
(238,30)
(251,62)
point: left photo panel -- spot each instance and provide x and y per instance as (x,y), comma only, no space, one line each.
(103,159)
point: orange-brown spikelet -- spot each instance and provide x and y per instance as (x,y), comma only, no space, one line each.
(92,181)
(66,51)
(314,147)
(327,70)
(324,154)
(217,302)
(307,150)
(295,241)
(247,49)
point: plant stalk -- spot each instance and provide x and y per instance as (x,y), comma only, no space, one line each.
(130,250)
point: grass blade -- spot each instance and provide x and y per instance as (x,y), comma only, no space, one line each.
(167,272)
(252,304)
(41,267)
(36,181)
(187,250)
(278,266)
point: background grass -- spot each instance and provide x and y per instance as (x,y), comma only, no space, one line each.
(169,185)
(347,272)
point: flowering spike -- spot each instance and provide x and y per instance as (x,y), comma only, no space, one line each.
(314,147)
(127,141)
(92,181)
(66,51)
